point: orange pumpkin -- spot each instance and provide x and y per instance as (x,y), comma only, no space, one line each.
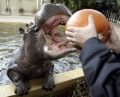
(80,19)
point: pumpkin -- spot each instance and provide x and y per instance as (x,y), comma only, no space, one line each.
(80,19)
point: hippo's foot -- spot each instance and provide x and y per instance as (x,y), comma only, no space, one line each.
(48,83)
(18,79)
(22,88)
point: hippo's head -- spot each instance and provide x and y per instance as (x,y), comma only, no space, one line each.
(48,21)
(43,39)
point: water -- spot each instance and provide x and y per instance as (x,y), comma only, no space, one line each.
(9,42)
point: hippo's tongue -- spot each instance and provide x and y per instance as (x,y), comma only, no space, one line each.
(58,51)
(58,35)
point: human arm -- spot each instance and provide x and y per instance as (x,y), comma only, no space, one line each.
(100,64)
(101,67)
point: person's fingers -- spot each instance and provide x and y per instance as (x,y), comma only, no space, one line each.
(70,34)
(73,29)
(112,46)
(109,44)
(91,20)
(70,39)
(112,30)
(72,43)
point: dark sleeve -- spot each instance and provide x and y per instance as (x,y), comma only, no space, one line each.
(101,68)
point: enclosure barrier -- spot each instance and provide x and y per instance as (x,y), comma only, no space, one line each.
(62,81)
(112,15)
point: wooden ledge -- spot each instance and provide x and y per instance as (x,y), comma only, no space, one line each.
(62,81)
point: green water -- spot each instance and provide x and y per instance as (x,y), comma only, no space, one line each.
(9,42)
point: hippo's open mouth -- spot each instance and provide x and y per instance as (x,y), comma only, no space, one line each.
(53,28)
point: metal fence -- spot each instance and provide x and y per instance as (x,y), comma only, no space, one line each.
(112,15)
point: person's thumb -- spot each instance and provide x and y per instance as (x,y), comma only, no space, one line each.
(91,21)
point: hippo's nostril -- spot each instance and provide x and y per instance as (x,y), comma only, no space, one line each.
(26,92)
(15,91)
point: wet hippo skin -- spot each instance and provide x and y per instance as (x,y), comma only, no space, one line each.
(34,58)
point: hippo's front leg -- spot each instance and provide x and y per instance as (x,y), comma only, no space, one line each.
(17,78)
(48,83)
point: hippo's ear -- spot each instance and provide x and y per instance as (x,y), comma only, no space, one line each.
(21,30)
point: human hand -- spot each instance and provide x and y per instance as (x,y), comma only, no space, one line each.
(77,36)
(114,39)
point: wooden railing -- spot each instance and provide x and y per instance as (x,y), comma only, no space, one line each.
(62,81)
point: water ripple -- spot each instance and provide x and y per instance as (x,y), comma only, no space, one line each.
(9,42)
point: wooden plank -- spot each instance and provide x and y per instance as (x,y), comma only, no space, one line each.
(62,81)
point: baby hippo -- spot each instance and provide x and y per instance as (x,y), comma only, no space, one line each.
(30,62)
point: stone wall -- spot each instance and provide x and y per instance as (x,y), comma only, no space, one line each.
(20,7)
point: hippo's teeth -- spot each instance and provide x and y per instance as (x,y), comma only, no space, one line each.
(45,48)
(62,23)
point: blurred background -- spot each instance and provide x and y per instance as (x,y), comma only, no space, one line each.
(29,7)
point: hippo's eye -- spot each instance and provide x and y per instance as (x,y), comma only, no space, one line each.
(34,29)
(24,37)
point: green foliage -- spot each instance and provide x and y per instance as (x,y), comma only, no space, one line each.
(72,4)
(75,5)
(81,89)
(90,3)
(118,3)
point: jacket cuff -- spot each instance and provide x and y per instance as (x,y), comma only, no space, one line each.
(91,42)
(92,46)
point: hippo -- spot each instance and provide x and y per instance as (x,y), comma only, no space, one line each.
(42,44)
